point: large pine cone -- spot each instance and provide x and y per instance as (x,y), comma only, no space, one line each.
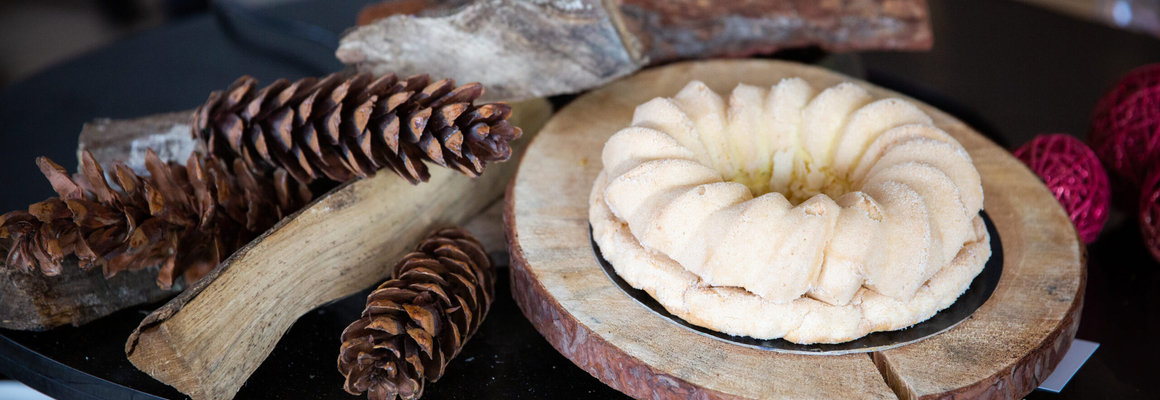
(419,320)
(339,128)
(184,218)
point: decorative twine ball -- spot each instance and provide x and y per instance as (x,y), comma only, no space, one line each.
(1074,174)
(1150,212)
(1126,124)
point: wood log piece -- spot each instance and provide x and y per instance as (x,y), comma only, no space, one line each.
(34,301)
(207,341)
(529,48)
(515,48)
(37,302)
(1006,348)
(487,226)
(126,140)
(688,29)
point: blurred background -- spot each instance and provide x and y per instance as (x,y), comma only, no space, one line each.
(35,34)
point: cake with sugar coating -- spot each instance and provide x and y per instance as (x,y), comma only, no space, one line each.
(785,212)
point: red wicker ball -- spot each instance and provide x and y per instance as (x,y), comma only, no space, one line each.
(1074,174)
(1150,212)
(1126,124)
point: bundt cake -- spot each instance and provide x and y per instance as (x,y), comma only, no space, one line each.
(787,213)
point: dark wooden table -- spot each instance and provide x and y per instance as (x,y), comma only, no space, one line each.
(1010,70)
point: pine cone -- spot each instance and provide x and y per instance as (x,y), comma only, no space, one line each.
(184,218)
(339,128)
(419,320)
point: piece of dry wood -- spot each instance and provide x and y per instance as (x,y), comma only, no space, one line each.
(1006,348)
(532,48)
(687,29)
(487,226)
(516,48)
(208,340)
(34,301)
(126,140)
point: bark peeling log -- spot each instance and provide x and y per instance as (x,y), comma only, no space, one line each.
(535,48)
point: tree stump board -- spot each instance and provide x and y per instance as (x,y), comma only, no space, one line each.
(1003,351)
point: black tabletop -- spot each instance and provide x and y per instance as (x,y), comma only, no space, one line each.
(1008,69)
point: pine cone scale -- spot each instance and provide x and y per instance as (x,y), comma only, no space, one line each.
(357,167)
(393,103)
(423,340)
(435,290)
(330,124)
(94,176)
(166,184)
(388,132)
(463,94)
(423,314)
(295,92)
(59,179)
(416,125)
(282,127)
(262,100)
(237,92)
(361,116)
(431,147)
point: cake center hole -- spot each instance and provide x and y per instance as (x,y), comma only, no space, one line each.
(791,173)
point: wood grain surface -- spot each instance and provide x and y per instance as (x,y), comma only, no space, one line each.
(207,341)
(1002,352)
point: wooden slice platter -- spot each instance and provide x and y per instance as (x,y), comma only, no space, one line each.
(1002,351)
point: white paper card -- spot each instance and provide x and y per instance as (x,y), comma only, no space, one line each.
(1077,355)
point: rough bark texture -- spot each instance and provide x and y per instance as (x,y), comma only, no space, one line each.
(1007,347)
(686,29)
(37,302)
(125,140)
(528,48)
(516,48)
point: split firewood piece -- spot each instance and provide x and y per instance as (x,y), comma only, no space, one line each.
(340,127)
(533,48)
(417,321)
(183,218)
(207,341)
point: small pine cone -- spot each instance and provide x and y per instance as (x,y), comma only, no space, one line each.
(186,219)
(340,128)
(418,321)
